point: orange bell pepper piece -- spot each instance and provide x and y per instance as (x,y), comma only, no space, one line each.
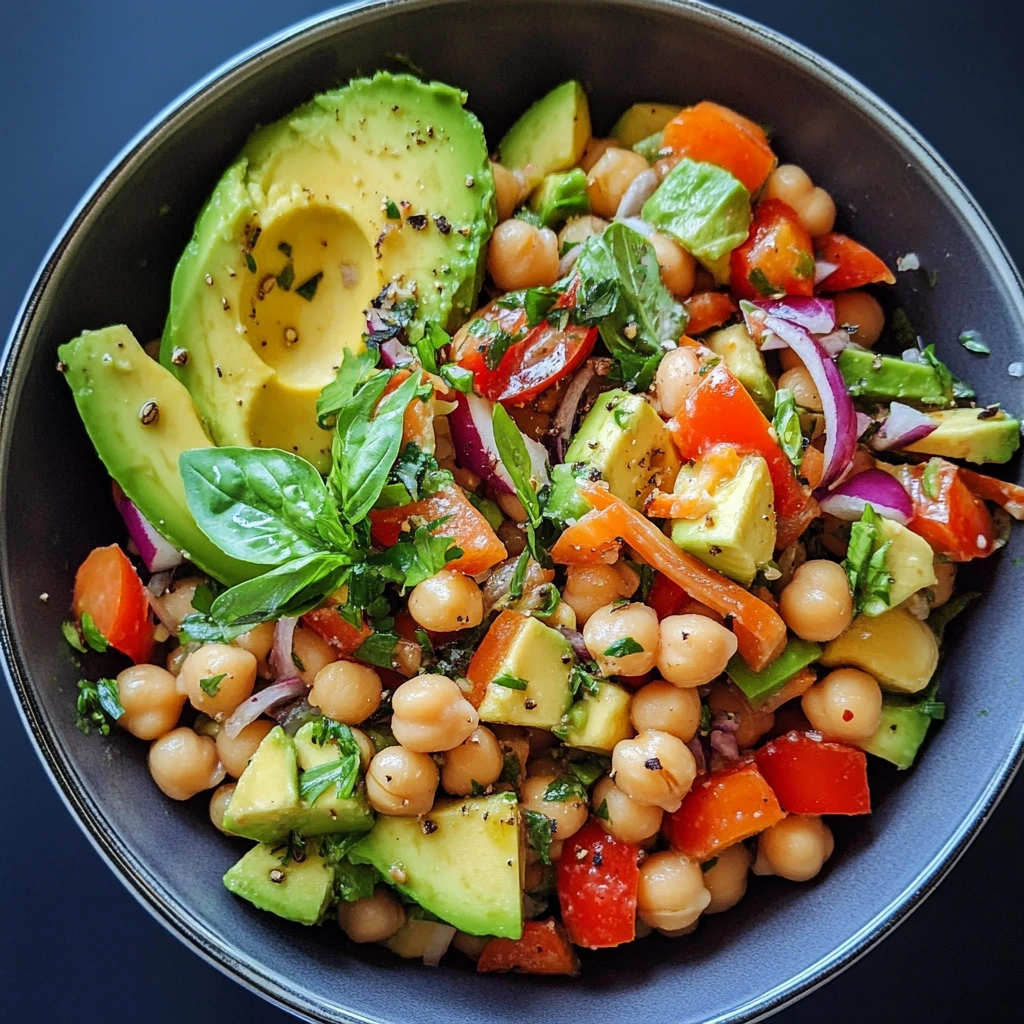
(487,660)
(329,624)
(707,310)
(544,949)
(1000,492)
(587,542)
(760,631)
(856,265)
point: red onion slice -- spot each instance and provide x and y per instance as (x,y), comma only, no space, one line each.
(561,427)
(835,341)
(874,487)
(863,422)
(393,353)
(438,943)
(641,188)
(157,553)
(696,748)
(904,425)
(578,644)
(816,316)
(822,269)
(641,227)
(281,662)
(249,710)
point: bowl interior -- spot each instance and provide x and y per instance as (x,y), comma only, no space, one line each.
(115,265)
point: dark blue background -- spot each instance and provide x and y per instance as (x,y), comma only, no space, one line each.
(77,80)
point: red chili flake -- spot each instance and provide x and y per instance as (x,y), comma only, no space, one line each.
(847,715)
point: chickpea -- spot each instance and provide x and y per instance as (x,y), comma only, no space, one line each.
(508,190)
(199,678)
(366,748)
(347,692)
(617,624)
(654,768)
(522,256)
(401,782)
(942,591)
(789,183)
(788,359)
(626,819)
(219,804)
(609,178)
(151,702)
(863,311)
(176,604)
(512,507)
(726,699)
(595,149)
(726,879)
(235,752)
(794,848)
(660,705)
(431,714)
(447,602)
(372,919)
(311,652)
(670,891)
(563,615)
(407,657)
(469,945)
(478,759)
(678,267)
(694,649)
(813,206)
(844,705)
(183,764)
(259,641)
(590,587)
(798,380)
(678,374)
(817,212)
(579,229)
(816,603)
(569,815)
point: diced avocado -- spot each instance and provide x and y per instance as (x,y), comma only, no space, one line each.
(266,803)
(550,136)
(642,120)
(703,207)
(598,721)
(974,435)
(329,812)
(113,380)
(542,658)
(757,686)
(463,867)
(909,562)
(385,180)
(897,648)
(870,375)
(900,733)
(744,358)
(560,196)
(649,148)
(297,891)
(738,535)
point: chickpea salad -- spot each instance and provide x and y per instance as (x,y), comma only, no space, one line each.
(525,544)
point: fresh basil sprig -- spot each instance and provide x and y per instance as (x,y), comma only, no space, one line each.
(865,565)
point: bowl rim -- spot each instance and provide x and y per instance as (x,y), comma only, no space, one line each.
(88,815)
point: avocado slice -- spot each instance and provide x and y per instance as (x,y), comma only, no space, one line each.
(265,804)
(975,435)
(901,731)
(464,867)
(641,121)
(738,535)
(304,229)
(909,562)
(870,375)
(560,196)
(329,813)
(112,378)
(744,359)
(596,722)
(758,686)
(550,136)
(297,890)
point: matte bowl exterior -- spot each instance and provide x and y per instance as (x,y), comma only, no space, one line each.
(113,263)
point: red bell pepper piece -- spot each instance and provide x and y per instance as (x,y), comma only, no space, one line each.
(329,624)
(856,265)
(776,258)
(812,776)
(597,878)
(543,949)
(707,310)
(1001,492)
(722,808)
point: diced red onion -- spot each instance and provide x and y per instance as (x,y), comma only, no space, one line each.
(294,714)
(393,353)
(840,415)
(259,703)
(904,425)
(641,188)
(157,553)
(864,421)
(874,487)
(911,355)
(725,743)
(438,943)
(835,341)
(561,427)
(725,723)
(822,269)
(575,638)
(281,661)
(816,316)
(696,748)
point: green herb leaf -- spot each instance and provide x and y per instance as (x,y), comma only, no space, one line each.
(540,831)
(355,368)
(487,508)
(418,474)
(759,280)
(515,588)
(584,678)
(865,565)
(93,637)
(949,383)
(475,789)
(458,376)
(903,331)
(378,649)
(588,768)
(285,248)
(70,631)
(564,788)
(344,773)
(705,720)
(973,342)
(567,247)
(511,769)
(250,262)
(211,684)
(204,595)
(930,478)
(434,338)
(354,881)
(787,426)
(510,681)
(516,459)
(494,337)
(416,556)
(286,278)
(308,287)
(805,265)
(98,704)
(621,648)
(602,811)
(391,209)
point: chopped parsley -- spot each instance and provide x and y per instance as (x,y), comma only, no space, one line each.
(759,281)
(973,342)
(70,631)
(98,705)
(621,648)
(93,637)
(510,681)
(211,684)
(308,287)
(786,422)
(565,788)
(286,278)
(391,209)
(540,831)
(602,811)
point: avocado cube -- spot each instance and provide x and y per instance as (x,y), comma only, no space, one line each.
(650,147)
(869,375)
(329,813)
(973,435)
(560,196)
(738,534)
(744,359)
(641,121)
(266,802)
(900,733)
(464,867)
(297,891)
(909,562)
(598,721)
(758,686)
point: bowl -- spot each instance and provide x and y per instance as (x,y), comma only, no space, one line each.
(113,262)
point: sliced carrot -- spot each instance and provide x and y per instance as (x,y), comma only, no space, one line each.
(761,633)
(691,505)
(544,949)
(490,655)
(480,546)
(796,686)
(587,542)
(1001,492)
(717,135)
(856,264)
(108,589)
(330,625)
(707,310)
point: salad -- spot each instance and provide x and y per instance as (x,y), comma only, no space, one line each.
(522,550)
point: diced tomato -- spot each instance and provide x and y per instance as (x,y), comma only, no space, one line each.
(490,655)
(597,878)
(722,808)
(956,522)
(717,135)
(776,259)
(813,776)
(856,265)
(467,527)
(108,588)
(1001,492)
(666,597)
(543,949)
(329,624)
(707,310)
(721,410)
(587,541)
(418,422)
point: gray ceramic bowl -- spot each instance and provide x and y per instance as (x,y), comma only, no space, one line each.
(113,262)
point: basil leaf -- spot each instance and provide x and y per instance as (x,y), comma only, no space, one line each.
(260,504)
(786,422)
(865,565)
(417,557)
(621,648)
(510,681)
(378,649)
(355,366)
(417,475)
(93,637)
(98,705)
(973,342)
(540,831)
(70,631)
(516,460)
(564,788)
